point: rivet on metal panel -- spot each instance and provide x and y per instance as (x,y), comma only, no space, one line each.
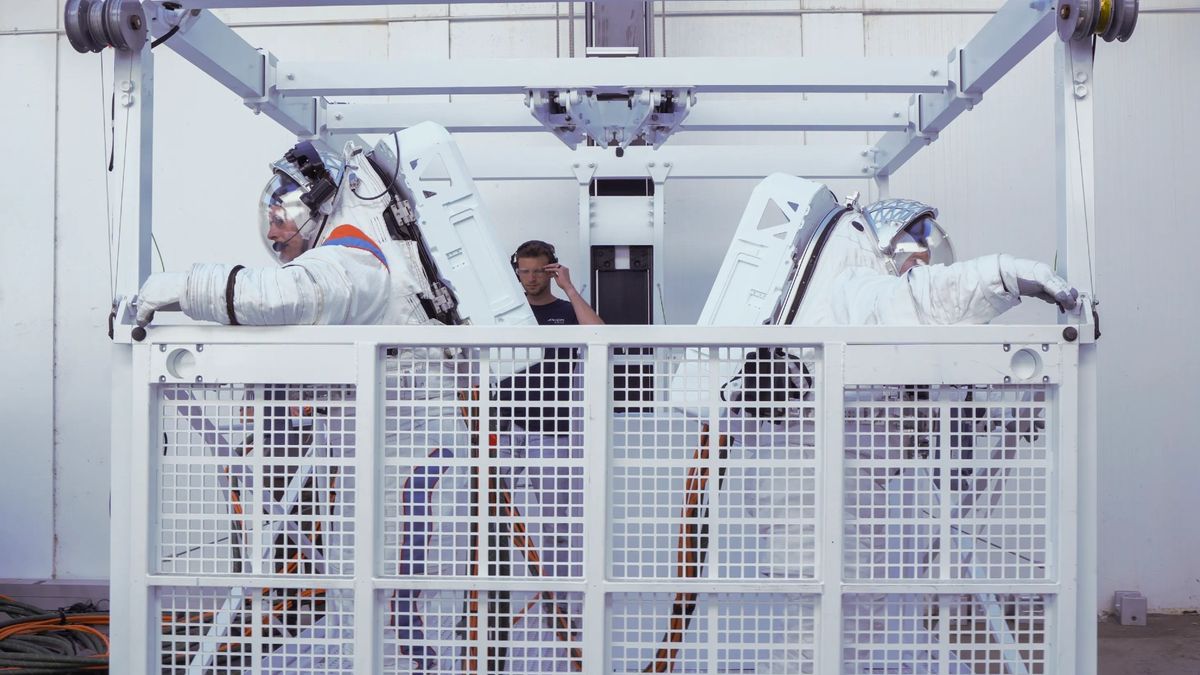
(1007,379)
(1045,348)
(200,378)
(291,76)
(896,115)
(1046,379)
(162,348)
(1007,347)
(162,378)
(1081,91)
(591,165)
(934,72)
(337,116)
(199,348)
(1081,77)
(667,164)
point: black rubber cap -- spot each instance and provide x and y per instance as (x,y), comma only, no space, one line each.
(138,333)
(1070,333)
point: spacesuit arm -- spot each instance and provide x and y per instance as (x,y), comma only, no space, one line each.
(967,292)
(327,285)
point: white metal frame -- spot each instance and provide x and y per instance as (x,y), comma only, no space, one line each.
(979,355)
(294,95)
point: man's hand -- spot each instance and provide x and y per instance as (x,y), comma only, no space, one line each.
(562,276)
(160,290)
(1036,279)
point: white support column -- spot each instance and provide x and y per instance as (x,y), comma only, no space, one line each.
(584,171)
(134,166)
(659,173)
(831,467)
(130,601)
(1076,260)
(368,512)
(597,435)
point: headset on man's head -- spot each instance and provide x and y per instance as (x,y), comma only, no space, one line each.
(533,242)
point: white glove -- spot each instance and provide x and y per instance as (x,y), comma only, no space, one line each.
(1036,279)
(160,290)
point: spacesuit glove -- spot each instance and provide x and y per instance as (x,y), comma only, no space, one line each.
(160,290)
(1033,278)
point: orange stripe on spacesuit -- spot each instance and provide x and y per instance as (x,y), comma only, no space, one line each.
(352,237)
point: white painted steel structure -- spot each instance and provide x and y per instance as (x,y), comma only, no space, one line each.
(1062,603)
(976,465)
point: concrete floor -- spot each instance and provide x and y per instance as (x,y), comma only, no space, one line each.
(1167,645)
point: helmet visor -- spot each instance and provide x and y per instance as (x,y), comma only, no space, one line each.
(923,242)
(285,222)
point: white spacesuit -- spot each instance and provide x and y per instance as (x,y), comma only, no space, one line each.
(351,255)
(892,265)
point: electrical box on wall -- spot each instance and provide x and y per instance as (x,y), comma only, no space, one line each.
(622,283)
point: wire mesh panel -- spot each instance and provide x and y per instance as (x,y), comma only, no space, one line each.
(975,634)
(483,462)
(510,632)
(256,479)
(947,482)
(679,489)
(719,530)
(712,633)
(288,631)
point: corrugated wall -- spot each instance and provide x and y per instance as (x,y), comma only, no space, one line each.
(992,175)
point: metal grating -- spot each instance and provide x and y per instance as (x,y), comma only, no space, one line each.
(483,462)
(673,484)
(712,633)
(949,482)
(230,630)
(708,504)
(440,631)
(256,479)
(945,634)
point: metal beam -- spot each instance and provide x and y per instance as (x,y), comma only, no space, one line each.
(209,4)
(515,76)
(710,161)
(513,116)
(1007,38)
(223,55)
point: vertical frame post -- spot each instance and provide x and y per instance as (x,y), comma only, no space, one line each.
(368,472)
(659,173)
(129,608)
(583,175)
(831,465)
(1074,136)
(597,433)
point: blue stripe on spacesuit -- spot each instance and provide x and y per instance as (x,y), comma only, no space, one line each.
(359,244)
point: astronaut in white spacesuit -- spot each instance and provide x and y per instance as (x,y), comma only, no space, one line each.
(834,264)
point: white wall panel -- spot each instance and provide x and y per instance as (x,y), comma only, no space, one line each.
(24,15)
(1147,144)
(27,308)
(83,277)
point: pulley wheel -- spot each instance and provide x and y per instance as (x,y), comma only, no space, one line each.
(1125,13)
(1077,18)
(96,26)
(75,20)
(126,23)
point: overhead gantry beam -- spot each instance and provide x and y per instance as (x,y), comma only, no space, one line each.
(1007,38)
(701,75)
(223,55)
(466,116)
